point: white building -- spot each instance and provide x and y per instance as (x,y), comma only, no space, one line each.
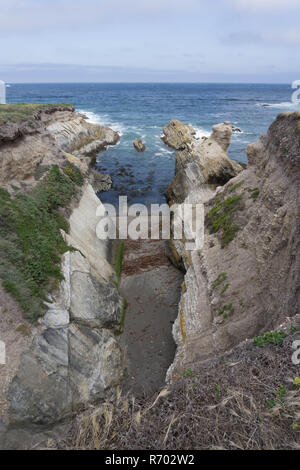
(2,92)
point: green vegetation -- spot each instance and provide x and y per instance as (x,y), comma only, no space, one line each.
(296,383)
(188,373)
(254,193)
(73,173)
(270,403)
(122,317)
(225,288)
(227,311)
(280,394)
(221,278)
(40,170)
(220,218)
(119,263)
(22,112)
(24,330)
(31,242)
(236,186)
(275,337)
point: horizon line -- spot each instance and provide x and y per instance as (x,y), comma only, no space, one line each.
(147,82)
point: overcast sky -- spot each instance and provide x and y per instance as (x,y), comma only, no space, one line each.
(149,40)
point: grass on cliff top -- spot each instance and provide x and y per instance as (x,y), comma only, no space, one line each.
(22,111)
(31,243)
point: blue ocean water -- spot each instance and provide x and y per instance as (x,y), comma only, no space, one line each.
(142,110)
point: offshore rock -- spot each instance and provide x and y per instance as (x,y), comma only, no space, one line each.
(139,146)
(176,134)
(201,163)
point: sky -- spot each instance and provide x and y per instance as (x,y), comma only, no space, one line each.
(150,41)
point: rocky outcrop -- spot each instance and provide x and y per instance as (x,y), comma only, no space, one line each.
(58,133)
(139,145)
(200,163)
(75,357)
(245,280)
(72,357)
(27,120)
(100,181)
(177,134)
(72,133)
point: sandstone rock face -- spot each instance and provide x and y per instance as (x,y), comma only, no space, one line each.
(242,286)
(222,135)
(75,358)
(11,131)
(72,357)
(73,134)
(59,133)
(139,146)
(201,162)
(177,134)
(82,234)
(19,160)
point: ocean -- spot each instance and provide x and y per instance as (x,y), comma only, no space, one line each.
(142,110)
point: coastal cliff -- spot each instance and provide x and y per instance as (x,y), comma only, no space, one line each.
(69,356)
(34,136)
(61,312)
(234,382)
(245,280)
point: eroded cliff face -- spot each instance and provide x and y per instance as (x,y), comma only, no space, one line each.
(246,278)
(48,136)
(200,163)
(72,356)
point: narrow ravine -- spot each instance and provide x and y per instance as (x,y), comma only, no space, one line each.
(151,286)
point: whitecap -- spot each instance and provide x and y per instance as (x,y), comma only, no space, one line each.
(103,120)
(285,104)
(200,132)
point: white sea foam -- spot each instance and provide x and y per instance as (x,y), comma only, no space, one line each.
(103,120)
(201,132)
(164,151)
(285,104)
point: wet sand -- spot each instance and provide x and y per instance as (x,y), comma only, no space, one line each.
(151,286)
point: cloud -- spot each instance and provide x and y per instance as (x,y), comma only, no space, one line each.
(272,38)
(24,15)
(289,37)
(269,5)
(242,37)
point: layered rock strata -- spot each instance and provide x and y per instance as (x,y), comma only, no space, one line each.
(246,278)
(71,357)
